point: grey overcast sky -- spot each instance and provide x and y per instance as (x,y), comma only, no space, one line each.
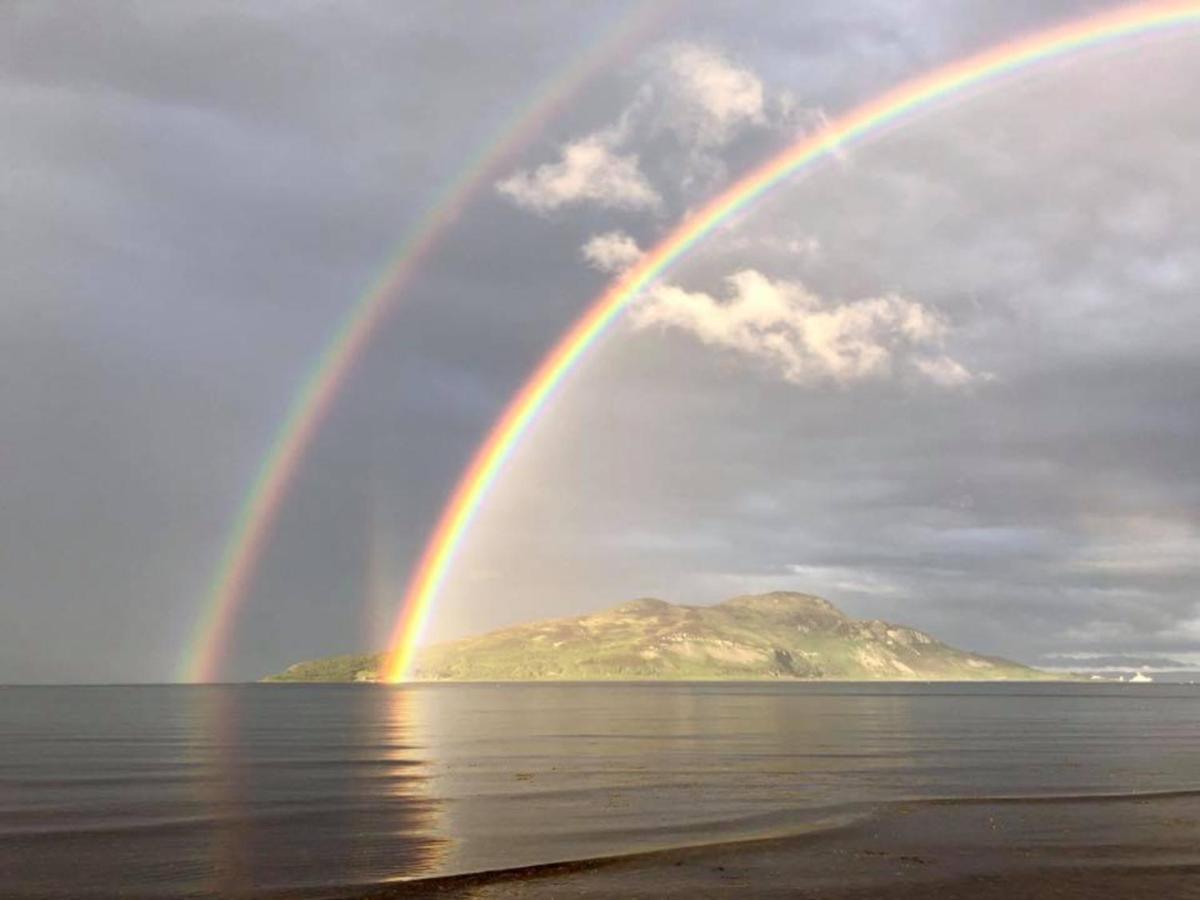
(949,379)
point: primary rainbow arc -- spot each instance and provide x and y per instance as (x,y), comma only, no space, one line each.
(504,436)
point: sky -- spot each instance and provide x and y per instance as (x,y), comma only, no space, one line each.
(947,379)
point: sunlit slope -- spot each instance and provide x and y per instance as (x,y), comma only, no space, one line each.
(766,636)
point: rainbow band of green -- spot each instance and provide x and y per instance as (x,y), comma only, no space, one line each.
(256,517)
(870,118)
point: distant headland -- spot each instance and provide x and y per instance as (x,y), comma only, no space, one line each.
(774,636)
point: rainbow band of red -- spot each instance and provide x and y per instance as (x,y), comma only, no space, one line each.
(500,443)
(256,517)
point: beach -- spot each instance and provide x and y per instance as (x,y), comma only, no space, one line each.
(1132,846)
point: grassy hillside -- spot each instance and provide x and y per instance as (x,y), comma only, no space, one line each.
(766,636)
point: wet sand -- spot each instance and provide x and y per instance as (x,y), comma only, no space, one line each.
(1131,846)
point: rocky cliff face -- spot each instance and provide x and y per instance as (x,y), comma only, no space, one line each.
(780,635)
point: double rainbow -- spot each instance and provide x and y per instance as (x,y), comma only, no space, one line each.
(255,519)
(857,125)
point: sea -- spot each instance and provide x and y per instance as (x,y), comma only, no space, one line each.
(324,790)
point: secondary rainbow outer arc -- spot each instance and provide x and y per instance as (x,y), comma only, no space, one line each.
(311,403)
(523,409)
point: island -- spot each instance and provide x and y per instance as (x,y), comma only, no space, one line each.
(775,636)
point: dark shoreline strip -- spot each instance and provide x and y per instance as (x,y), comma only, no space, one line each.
(444,884)
(421,887)
(1030,799)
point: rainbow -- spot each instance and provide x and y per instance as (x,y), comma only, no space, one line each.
(259,510)
(888,109)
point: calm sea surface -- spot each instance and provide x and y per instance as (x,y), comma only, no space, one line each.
(254,790)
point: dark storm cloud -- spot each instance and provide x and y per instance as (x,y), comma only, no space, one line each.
(194,194)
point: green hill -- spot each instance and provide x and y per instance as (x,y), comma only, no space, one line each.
(777,636)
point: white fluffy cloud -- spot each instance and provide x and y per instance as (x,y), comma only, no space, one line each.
(612,252)
(710,98)
(694,95)
(943,370)
(804,338)
(589,170)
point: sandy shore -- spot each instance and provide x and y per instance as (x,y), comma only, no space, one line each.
(1110,847)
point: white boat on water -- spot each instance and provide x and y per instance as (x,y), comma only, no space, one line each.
(1140,678)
